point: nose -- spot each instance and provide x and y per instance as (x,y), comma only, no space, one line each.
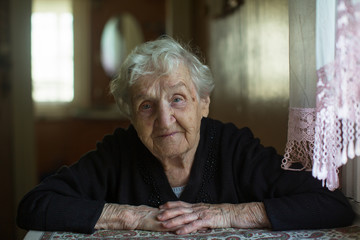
(165,115)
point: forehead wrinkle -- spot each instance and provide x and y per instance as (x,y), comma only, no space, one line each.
(145,90)
(141,92)
(178,85)
(168,83)
(189,86)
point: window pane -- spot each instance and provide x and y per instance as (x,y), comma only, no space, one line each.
(52,55)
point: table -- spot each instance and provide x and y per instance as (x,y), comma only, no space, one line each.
(351,232)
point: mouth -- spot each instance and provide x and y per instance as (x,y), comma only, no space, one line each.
(167,134)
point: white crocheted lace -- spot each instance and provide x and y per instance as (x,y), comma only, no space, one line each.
(337,124)
(300,139)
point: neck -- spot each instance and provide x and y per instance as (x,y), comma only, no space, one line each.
(178,177)
(178,169)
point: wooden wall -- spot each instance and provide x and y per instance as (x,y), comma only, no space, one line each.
(6,157)
(63,141)
(249,56)
(17,174)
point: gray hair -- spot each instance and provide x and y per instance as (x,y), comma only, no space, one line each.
(158,58)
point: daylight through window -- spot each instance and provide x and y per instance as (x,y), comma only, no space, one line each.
(52,52)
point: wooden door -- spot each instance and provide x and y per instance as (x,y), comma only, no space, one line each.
(7,218)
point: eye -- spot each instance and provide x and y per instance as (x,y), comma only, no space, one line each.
(145,106)
(177,99)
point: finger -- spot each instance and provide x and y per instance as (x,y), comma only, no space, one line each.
(203,229)
(191,227)
(180,220)
(160,227)
(200,206)
(174,204)
(172,213)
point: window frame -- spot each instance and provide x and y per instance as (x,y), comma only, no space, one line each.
(81,10)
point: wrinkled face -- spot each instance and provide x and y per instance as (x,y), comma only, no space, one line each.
(167,114)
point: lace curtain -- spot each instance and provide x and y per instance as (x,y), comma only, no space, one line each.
(324,137)
(301,124)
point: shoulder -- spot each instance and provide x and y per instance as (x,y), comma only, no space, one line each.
(233,143)
(119,139)
(226,132)
(111,150)
(240,145)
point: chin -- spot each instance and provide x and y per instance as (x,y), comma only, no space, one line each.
(171,153)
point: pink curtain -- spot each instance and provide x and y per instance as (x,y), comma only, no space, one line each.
(328,135)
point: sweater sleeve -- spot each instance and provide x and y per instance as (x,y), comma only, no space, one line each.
(299,201)
(292,199)
(73,198)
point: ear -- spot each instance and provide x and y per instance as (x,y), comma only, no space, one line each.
(205,104)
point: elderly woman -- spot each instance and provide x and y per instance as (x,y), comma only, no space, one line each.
(174,169)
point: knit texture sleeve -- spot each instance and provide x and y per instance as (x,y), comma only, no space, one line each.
(73,198)
(293,199)
(299,201)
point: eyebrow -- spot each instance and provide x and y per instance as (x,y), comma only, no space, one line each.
(137,97)
(178,85)
(175,86)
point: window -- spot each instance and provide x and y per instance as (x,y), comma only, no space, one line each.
(52,53)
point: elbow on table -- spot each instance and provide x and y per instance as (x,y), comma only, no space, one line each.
(342,213)
(338,215)
(30,215)
(348,216)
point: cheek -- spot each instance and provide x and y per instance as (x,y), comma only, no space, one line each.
(191,120)
(143,127)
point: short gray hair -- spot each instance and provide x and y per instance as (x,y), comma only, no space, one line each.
(158,58)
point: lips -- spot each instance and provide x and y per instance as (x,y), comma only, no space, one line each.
(167,134)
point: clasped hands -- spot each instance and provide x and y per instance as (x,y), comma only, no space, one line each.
(181,217)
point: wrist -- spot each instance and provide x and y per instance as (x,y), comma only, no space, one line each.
(116,216)
(227,211)
(249,215)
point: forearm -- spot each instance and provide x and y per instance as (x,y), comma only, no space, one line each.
(249,215)
(48,211)
(309,211)
(116,216)
(128,217)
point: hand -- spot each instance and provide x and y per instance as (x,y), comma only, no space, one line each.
(183,217)
(188,218)
(126,217)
